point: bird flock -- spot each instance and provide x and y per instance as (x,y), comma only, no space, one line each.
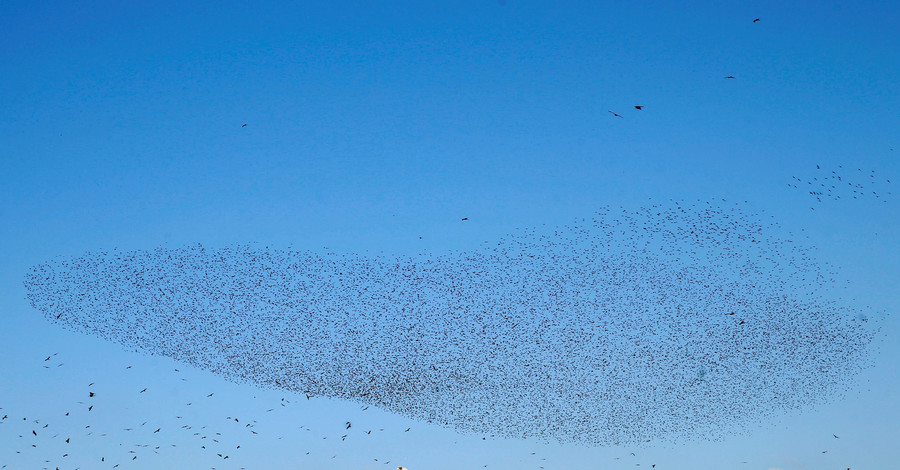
(668,321)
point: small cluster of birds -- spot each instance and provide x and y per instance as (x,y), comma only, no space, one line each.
(673,320)
(63,440)
(846,184)
(72,437)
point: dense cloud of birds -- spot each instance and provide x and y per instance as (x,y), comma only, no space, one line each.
(674,320)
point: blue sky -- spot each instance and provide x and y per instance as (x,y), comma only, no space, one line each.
(369,125)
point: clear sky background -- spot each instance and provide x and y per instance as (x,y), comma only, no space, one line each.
(372,124)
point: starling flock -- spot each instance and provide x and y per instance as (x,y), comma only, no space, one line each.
(674,320)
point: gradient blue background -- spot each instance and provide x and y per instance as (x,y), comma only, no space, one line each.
(371,124)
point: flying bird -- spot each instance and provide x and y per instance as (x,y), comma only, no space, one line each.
(730,76)
(616,115)
(756,20)
(244,125)
(638,107)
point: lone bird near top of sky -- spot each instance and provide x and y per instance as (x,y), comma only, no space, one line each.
(638,108)
(756,20)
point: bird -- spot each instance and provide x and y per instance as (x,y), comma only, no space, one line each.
(465,218)
(244,125)
(615,114)
(638,107)
(756,20)
(730,76)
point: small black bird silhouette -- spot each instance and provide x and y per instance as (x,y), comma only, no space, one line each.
(348,425)
(638,107)
(244,125)
(835,436)
(756,20)
(142,391)
(91,394)
(730,313)
(730,76)
(465,218)
(616,115)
